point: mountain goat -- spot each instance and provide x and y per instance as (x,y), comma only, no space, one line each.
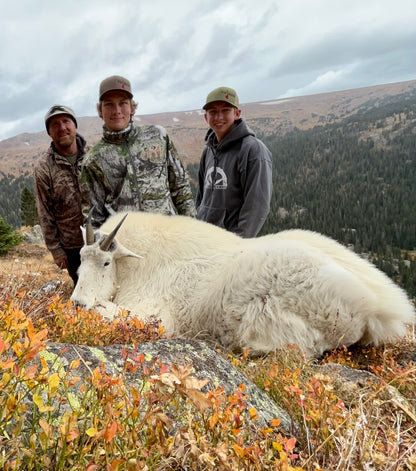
(293,287)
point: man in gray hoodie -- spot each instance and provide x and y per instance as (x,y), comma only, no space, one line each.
(235,171)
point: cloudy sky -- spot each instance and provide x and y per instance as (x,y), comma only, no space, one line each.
(175,51)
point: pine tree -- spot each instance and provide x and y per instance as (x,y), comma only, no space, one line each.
(8,237)
(28,208)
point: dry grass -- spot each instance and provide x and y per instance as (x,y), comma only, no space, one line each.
(369,425)
(33,263)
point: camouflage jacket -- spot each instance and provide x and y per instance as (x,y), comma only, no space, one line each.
(136,170)
(61,199)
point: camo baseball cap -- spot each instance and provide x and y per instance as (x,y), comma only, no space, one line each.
(59,109)
(226,94)
(115,82)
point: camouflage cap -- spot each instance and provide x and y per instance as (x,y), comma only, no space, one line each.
(226,94)
(115,82)
(59,109)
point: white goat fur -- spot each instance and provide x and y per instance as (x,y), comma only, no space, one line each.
(293,287)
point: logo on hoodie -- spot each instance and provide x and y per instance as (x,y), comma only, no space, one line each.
(220,179)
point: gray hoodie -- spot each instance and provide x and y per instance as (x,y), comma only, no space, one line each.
(235,181)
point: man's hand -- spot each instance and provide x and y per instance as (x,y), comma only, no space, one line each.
(62,261)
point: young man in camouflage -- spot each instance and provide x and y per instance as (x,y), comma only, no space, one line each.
(235,171)
(60,196)
(133,167)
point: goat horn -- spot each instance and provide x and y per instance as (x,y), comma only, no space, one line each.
(89,231)
(105,244)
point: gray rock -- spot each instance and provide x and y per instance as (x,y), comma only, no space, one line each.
(350,381)
(206,362)
(50,287)
(35,236)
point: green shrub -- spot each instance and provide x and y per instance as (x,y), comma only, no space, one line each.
(8,237)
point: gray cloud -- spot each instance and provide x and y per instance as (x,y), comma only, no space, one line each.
(174,53)
(344,47)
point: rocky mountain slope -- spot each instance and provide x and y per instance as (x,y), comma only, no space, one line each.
(187,128)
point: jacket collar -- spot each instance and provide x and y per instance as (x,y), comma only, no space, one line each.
(117,137)
(81,146)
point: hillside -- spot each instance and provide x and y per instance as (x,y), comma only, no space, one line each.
(187,128)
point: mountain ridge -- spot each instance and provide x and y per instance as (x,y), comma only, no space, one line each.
(187,129)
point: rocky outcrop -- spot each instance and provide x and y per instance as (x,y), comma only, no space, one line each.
(350,382)
(34,236)
(206,364)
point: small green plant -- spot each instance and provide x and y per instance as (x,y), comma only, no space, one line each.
(8,237)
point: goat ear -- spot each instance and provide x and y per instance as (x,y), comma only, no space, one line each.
(121,252)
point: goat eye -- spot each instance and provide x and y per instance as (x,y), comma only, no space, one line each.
(106,264)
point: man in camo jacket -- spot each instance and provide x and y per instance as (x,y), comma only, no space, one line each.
(61,198)
(133,167)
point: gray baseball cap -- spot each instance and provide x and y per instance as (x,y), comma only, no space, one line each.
(59,109)
(115,82)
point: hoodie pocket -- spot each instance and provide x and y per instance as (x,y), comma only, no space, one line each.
(212,215)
